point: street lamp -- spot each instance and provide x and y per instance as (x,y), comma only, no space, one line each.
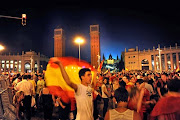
(1,47)
(160,58)
(79,41)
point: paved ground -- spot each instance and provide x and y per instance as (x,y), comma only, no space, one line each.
(40,115)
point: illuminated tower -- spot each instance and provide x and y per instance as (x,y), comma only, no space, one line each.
(95,45)
(59,43)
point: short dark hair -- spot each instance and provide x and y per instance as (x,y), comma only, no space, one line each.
(164,74)
(122,84)
(40,75)
(140,81)
(173,85)
(25,76)
(83,71)
(121,94)
(29,76)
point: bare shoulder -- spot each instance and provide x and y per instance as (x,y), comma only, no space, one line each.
(136,116)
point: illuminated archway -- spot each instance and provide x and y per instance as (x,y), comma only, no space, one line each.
(145,64)
(27,67)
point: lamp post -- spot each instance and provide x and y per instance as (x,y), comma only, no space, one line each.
(79,41)
(160,67)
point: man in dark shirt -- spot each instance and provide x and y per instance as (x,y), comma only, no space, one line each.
(162,85)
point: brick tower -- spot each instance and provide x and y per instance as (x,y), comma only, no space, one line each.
(59,43)
(95,45)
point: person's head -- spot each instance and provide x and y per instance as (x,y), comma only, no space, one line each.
(122,84)
(19,78)
(115,81)
(125,79)
(29,76)
(39,76)
(133,80)
(105,81)
(17,75)
(173,85)
(145,79)
(85,75)
(25,76)
(121,95)
(149,76)
(164,77)
(139,82)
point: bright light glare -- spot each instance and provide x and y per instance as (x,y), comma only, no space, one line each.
(1,47)
(79,40)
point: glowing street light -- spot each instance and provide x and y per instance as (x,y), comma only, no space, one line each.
(79,41)
(1,48)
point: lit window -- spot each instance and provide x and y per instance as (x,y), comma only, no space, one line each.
(7,61)
(7,65)
(3,61)
(35,65)
(19,67)
(27,66)
(15,62)
(19,61)
(2,65)
(11,65)
(11,61)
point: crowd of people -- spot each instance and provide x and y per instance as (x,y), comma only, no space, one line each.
(126,95)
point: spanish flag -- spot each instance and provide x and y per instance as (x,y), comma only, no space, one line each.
(100,66)
(177,69)
(55,82)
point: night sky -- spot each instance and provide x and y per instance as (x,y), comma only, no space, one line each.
(121,26)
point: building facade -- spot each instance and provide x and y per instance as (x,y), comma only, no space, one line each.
(95,45)
(26,62)
(59,43)
(160,59)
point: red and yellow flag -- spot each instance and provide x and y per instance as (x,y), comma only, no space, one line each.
(100,66)
(55,81)
(177,69)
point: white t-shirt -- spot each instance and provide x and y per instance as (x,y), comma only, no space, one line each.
(103,87)
(84,101)
(24,86)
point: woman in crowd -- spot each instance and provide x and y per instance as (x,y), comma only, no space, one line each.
(105,96)
(47,103)
(122,112)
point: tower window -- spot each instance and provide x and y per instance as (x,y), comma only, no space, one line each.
(57,32)
(94,29)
